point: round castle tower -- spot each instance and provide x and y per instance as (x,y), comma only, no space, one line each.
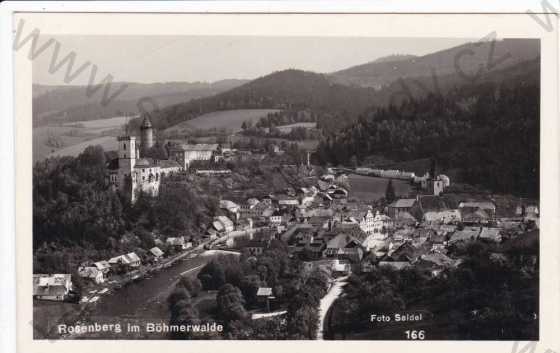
(146,135)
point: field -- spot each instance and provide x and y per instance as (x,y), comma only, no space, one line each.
(368,189)
(288,128)
(100,125)
(72,138)
(108,143)
(226,119)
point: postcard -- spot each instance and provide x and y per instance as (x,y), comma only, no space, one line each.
(193,180)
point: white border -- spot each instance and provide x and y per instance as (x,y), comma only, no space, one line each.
(287,6)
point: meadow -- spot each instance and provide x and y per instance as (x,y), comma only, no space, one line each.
(225,119)
(70,139)
(366,188)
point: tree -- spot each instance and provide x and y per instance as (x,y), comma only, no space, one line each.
(212,276)
(390,192)
(231,303)
(354,162)
(192,285)
(178,294)
(181,310)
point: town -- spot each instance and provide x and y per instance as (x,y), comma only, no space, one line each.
(311,213)
(293,202)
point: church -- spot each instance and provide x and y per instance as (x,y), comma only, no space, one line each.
(131,173)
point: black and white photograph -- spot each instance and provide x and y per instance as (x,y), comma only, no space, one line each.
(284,187)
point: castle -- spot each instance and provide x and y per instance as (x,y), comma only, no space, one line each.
(129,173)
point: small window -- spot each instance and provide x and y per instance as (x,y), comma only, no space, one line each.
(124,146)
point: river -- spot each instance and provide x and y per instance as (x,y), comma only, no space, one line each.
(147,298)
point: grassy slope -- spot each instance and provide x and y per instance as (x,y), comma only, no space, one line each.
(227,119)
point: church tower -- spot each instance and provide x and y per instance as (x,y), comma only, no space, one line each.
(146,135)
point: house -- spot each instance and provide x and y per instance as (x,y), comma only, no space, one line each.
(276,218)
(406,252)
(532,209)
(245,224)
(168,167)
(264,292)
(488,207)
(306,195)
(103,266)
(229,206)
(434,209)
(92,273)
(130,259)
(344,246)
(184,154)
(401,208)
(253,208)
(381,225)
(264,295)
(467,234)
(340,267)
(436,260)
(395,265)
(403,234)
(157,253)
(532,214)
(284,200)
(178,243)
(353,230)
(438,241)
(223,224)
(444,217)
(491,234)
(57,287)
(364,218)
(475,216)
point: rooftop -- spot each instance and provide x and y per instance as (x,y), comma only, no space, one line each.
(195,147)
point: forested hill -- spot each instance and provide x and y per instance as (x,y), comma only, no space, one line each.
(336,105)
(488,132)
(74,103)
(288,89)
(469,57)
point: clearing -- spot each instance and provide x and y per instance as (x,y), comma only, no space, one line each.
(224,119)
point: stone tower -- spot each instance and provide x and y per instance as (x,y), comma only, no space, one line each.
(146,135)
(127,159)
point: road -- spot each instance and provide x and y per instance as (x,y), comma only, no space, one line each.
(334,292)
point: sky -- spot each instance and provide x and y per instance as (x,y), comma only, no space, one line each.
(148,59)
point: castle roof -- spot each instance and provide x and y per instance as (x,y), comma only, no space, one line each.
(195,147)
(168,163)
(146,124)
(145,163)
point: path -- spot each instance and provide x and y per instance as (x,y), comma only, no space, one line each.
(327,301)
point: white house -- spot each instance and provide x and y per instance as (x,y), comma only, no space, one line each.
(130,259)
(52,287)
(223,224)
(91,273)
(184,154)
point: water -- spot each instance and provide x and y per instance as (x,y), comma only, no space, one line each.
(147,297)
